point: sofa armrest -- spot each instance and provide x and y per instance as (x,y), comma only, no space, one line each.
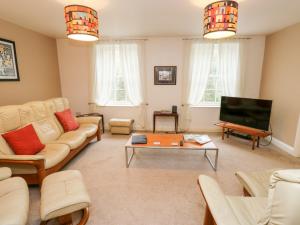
(21,157)
(89,119)
(38,161)
(5,173)
(216,202)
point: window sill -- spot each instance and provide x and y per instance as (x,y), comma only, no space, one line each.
(120,105)
(205,106)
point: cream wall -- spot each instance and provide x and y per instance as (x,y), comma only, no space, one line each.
(280,82)
(158,51)
(37,63)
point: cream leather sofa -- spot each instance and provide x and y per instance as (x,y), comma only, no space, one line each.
(14,199)
(60,147)
(280,207)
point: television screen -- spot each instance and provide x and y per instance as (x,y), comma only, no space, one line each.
(249,112)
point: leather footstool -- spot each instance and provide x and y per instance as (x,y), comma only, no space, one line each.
(121,126)
(62,194)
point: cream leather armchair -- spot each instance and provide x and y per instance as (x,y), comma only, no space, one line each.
(61,146)
(279,208)
(255,184)
(14,199)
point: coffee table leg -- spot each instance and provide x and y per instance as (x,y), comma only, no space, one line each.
(215,164)
(126,156)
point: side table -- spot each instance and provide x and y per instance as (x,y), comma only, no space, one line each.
(165,114)
(94,114)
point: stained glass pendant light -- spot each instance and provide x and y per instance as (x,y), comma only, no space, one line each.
(220,19)
(82,23)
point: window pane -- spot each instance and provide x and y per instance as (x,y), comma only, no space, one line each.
(210,83)
(209,96)
(120,95)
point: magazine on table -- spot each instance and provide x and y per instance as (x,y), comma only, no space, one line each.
(199,138)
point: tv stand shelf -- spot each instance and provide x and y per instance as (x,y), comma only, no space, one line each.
(255,134)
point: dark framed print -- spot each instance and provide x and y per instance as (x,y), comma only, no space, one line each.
(165,75)
(8,61)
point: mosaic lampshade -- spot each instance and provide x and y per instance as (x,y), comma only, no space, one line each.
(220,19)
(82,23)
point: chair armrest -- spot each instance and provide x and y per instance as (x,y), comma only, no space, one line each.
(256,183)
(89,119)
(216,201)
(5,173)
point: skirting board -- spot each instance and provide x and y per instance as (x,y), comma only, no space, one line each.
(283,146)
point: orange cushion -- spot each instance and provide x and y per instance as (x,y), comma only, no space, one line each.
(24,141)
(67,120)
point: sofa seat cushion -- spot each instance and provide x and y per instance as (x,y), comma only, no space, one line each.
(248,210)
(88,129)
(14,201)
(54,154)
(63,193)
(73,139)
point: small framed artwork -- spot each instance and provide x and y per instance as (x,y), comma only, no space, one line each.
(8,61)
(165,75)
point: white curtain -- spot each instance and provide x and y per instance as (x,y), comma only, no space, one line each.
(199,68)
(131,68)
(132,65)
(229,67)
(197,64)
(131,62)
(105,68)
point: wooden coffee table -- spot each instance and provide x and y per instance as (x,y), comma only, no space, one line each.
(168,141)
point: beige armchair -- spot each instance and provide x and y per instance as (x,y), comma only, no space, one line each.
(14,199)
(280,207)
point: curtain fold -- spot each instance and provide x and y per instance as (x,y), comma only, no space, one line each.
(105,68)
(130,66)
(199,68)
(229,68)
(197,63)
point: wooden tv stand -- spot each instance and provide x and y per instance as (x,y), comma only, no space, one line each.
(256,134)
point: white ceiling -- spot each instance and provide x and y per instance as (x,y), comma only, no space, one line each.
(125,18)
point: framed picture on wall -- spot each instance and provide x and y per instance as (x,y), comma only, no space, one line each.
(8,61)
(165,75)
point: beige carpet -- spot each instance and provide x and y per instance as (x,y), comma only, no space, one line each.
(160,187)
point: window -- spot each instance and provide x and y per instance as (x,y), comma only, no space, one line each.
(214,71)
(214,88)
(117,78)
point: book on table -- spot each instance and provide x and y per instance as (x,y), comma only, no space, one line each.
(199,138)
(139,139)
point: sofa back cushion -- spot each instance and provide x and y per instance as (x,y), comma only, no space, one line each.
(4,147)
(24,141)
(9,118)
(47,130)
(67,120)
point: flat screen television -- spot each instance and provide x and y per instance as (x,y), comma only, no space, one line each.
(249,112)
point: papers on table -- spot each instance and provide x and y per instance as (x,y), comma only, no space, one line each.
(201,139)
